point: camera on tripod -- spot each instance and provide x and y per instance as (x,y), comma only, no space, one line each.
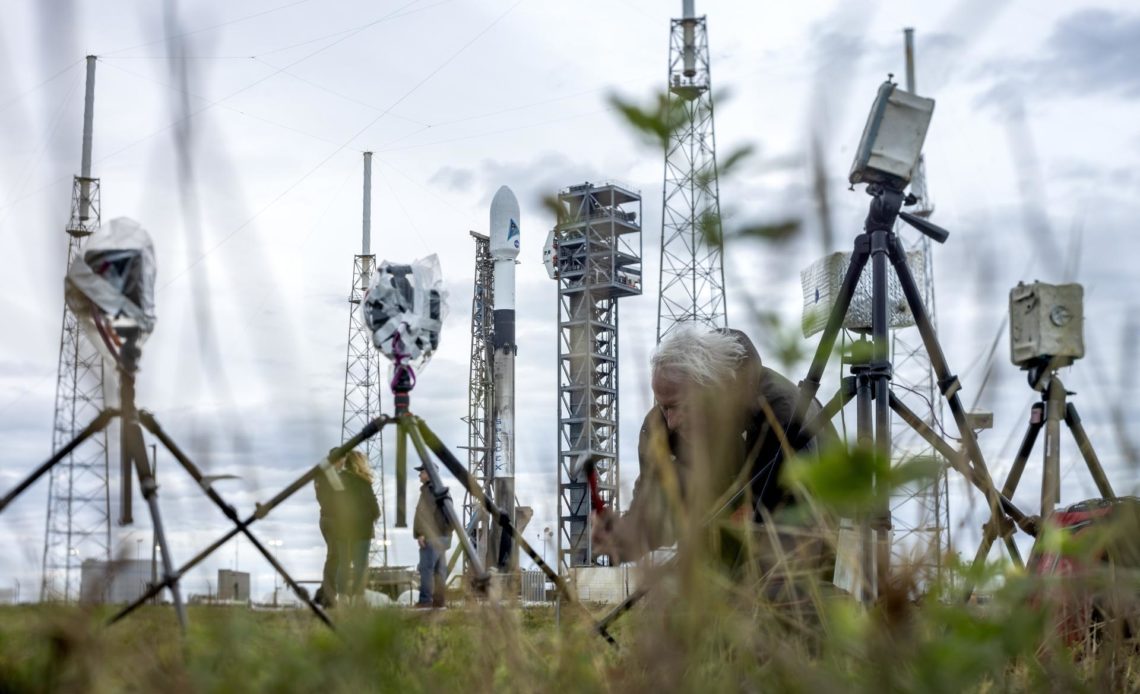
(110,288)
(405,307)
(892,139)
(1046,325)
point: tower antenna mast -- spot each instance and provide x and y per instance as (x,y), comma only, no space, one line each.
(692,244)
(78,523)
(362,370)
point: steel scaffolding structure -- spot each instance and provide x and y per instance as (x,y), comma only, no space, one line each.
(692,268)
(78,524)
(919,514)
(362,378)
(598,261)
(480,391)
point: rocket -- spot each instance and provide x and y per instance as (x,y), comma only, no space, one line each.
(504,246)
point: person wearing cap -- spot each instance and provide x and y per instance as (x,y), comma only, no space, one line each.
(433,534)
(720,423)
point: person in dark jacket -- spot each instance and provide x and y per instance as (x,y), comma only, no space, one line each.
(433,534)
(326,500)
(712,430)
(357,513)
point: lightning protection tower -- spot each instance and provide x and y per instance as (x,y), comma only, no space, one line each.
(362,370)
(78,514)
(692,268)
(919,514)
(480,391)
(597,260)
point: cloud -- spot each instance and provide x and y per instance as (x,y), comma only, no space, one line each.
(1093,50)
(1088,52)
(455,179)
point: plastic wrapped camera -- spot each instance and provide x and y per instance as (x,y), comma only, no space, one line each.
(405,307)
(110,287)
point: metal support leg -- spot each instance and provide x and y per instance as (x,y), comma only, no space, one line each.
(401,476)
(443,499)
(865,434)
(262,510)
(1051,476)
(460,473)
(136,452)
(810,385)
(881,380)
(947,382)
(98,424)
(152,426)
(1073,420)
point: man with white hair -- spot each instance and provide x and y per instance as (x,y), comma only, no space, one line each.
(720,424)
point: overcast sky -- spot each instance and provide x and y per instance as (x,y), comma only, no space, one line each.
(234,132)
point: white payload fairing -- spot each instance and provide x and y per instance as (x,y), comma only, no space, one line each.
(504,246)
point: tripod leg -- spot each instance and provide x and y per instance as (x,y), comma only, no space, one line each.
(460,473)
(168,580)
(881,374)
(1036,421)
(1051,479)
(955,460)
(152,425)
(401,474)
(990,531)
(865,440)
(947,382)
(444,499)
(810,385)
(323,467)
(136,451)
(98,424)
(837,402)
(1073,419)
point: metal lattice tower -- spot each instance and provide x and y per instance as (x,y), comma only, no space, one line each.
(598,247)
(919,514)
(480,389)
(692,268)
(78,523)
(362,384)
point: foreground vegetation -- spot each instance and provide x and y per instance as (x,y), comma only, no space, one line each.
(720,638)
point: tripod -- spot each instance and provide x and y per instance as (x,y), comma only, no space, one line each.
(423,439)
(870,381)
(133,452)
(1048,414)
(409,427)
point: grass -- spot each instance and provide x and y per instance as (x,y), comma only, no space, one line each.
(725,634)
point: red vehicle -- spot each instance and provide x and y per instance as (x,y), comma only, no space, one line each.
(1091,572)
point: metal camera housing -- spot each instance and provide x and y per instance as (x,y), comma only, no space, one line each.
(892,139)
(1046,324)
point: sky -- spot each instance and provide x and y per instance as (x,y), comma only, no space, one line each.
(234,133)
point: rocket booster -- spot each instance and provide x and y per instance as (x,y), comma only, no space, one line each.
(504,247)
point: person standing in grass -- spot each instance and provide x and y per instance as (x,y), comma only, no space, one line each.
(433,534)
(327,499)
(357,513)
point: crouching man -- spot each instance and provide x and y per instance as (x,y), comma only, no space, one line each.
(720,424)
